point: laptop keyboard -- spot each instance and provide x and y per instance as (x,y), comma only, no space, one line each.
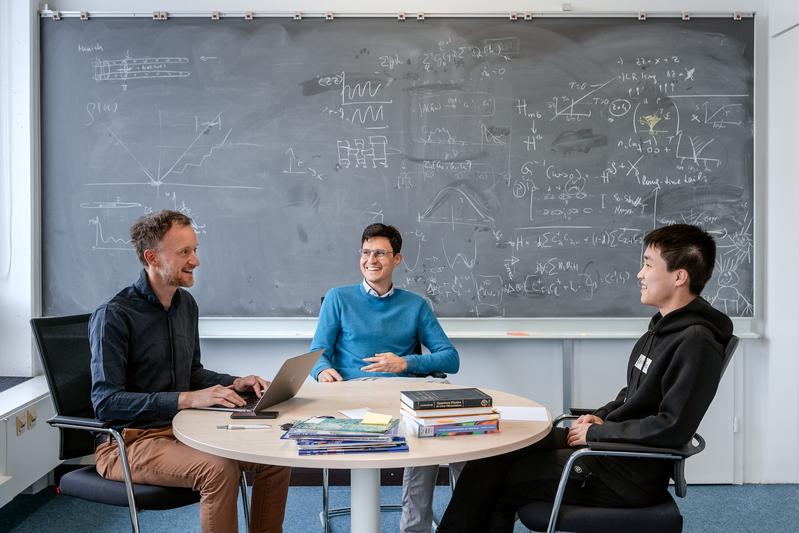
(251,398)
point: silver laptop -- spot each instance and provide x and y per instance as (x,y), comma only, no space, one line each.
(284,386)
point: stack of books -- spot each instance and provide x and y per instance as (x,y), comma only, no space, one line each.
(447,412)
(323,435)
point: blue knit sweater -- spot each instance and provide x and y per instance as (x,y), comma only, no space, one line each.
(353,325)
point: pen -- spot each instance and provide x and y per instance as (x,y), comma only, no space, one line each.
(244,426)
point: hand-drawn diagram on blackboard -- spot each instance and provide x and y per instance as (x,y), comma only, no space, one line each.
(138,68)
(523,163)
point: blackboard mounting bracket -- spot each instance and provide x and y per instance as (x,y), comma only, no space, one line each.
(250,15)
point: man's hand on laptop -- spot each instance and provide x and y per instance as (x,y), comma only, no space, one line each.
(256,384)
(385,362)
(216,395)
(328,375)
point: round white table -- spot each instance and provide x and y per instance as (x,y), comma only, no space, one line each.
(198,429)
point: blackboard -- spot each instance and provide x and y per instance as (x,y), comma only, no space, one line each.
(523,161)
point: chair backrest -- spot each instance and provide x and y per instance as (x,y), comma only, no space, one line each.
(680,484)
(732,344)
(63,344)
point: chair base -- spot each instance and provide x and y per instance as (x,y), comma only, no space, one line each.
(660,518)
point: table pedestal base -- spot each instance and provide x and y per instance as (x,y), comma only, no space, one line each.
(365,500)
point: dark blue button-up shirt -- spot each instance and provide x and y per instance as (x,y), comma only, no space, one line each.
(144,356)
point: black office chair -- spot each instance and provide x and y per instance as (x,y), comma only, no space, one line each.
(663,517)
(63,344)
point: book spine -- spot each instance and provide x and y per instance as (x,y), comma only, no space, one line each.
(451,420)
(444,431)
(420,405)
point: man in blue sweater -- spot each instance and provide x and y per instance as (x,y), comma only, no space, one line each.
(372,329)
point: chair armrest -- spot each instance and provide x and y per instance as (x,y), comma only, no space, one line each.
(573,414)
(684,451)
(432,374)
(76,422)
(560,418)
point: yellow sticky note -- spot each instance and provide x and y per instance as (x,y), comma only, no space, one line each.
(376,418)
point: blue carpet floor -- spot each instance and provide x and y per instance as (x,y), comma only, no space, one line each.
(706,509)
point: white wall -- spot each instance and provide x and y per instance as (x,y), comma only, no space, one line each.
(779,396)
(18,255)
(760,388)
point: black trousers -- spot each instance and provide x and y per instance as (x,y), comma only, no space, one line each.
(489,491)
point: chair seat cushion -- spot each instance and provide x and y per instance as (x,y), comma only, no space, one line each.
(661,518)
(86,483)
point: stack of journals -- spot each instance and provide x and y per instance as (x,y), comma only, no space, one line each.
(322,435)
(446,412)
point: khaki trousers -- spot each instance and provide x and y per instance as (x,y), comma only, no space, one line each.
(156,457)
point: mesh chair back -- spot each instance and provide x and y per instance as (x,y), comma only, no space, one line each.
(63,344)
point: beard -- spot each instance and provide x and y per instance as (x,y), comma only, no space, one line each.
(173,279)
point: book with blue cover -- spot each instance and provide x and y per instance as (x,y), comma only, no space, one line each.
(320,435)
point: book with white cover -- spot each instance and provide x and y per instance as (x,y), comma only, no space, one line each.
(448,420)
(454,411)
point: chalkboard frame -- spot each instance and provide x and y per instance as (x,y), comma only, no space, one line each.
(463,328)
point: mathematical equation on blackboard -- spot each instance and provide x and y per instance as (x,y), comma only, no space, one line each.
(523,165)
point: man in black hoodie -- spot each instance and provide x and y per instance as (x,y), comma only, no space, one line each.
(672,376)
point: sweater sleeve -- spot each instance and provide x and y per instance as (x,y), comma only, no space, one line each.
(603,411)
(688,387)
(328,328)
(443,356)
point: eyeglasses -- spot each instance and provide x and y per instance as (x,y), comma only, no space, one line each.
(380,254)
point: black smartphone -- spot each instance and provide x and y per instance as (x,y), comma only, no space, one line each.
(251,415)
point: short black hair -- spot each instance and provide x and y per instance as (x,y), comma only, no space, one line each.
(382,230)
(147,232)
(688,247)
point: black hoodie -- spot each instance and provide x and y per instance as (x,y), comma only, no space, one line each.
(672,376)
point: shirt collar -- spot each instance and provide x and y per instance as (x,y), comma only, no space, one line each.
(370,291)
(142,285)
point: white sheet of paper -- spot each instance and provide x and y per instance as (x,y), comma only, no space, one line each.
(512,412)
(355,413)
